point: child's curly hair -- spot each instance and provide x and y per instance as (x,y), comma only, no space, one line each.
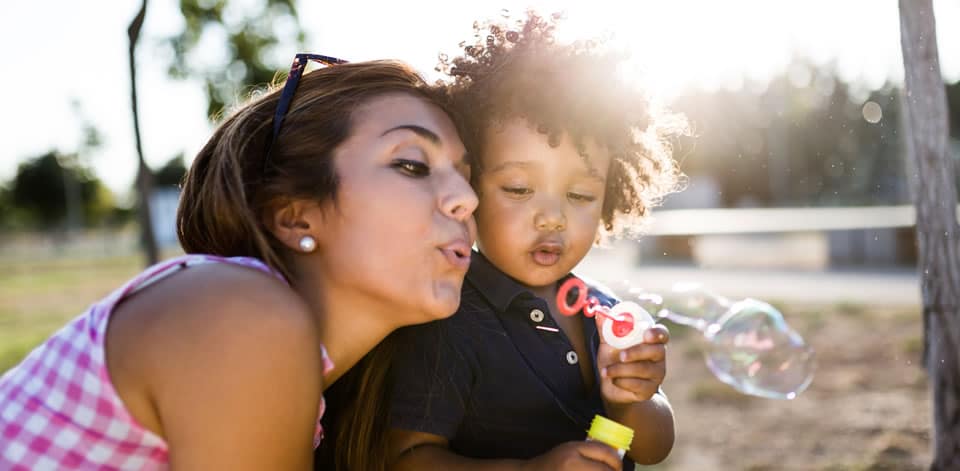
(520,70)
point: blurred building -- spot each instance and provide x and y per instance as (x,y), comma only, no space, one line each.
(802,144)
(163,212)
(791,238)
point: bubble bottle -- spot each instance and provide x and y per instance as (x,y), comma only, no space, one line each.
(617,436)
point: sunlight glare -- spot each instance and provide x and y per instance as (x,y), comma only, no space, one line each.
(673,50)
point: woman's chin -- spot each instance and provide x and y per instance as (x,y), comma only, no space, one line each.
(446,301)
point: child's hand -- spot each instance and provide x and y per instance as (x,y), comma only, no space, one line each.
(577,456)
(634,374)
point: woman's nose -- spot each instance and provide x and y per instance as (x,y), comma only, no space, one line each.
(459,201)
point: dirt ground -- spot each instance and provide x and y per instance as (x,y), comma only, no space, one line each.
(867,408)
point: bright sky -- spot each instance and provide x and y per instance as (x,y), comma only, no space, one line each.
(59,51)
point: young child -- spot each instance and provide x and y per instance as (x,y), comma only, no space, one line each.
(565,151)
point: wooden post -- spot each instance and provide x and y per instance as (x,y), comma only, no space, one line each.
(144,176)
(931,173)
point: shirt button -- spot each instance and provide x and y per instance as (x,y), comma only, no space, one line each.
(536,315)
(572,357)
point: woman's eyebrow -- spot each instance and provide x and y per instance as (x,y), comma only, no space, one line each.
(418,130)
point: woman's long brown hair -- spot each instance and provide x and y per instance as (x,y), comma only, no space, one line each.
(358,422)
(230,190)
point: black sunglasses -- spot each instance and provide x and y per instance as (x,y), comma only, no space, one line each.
(289,88)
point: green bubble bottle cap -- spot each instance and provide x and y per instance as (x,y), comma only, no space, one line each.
(607,431)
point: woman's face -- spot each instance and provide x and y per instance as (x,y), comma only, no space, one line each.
(398,234)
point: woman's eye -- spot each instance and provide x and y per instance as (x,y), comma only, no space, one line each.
(517,190)
(413,168)
(581,197)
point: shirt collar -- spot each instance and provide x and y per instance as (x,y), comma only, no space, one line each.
(498,288)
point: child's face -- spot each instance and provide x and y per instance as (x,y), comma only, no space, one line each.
(540,206)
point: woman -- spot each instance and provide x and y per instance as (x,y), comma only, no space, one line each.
(317,219)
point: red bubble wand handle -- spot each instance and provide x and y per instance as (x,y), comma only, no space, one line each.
(621,326)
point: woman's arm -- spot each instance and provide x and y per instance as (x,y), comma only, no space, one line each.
(225,363)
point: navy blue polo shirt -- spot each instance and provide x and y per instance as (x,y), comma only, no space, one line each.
(488,379)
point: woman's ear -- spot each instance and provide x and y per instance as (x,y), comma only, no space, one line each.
(297,225)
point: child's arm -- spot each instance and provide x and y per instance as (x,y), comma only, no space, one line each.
(630,386)
(409,450)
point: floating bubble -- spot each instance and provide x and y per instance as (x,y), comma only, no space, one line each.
(872,112)
(748,343)
(754,350)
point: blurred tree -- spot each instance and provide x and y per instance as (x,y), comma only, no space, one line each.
(797,141)
(248,38)
(6,209)
(953,107)
(144,175)
(121,216)
(953,113)
(172,173)
(45,187)
(91,139)
(932,188)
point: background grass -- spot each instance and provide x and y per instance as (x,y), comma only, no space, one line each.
(39,297)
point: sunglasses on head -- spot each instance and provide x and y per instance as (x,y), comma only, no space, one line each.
(289,88)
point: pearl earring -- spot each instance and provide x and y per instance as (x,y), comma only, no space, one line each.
(308,244)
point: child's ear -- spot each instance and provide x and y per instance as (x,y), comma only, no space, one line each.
(292,221)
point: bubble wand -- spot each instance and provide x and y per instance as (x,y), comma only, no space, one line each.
(749,344)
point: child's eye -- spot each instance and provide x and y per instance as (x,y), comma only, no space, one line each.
(581,197)
(412,168)
(517,190)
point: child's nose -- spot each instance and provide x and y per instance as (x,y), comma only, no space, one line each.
(550,219)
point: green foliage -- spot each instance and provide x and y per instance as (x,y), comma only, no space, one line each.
(54,189)
(249,39)
(171,174)
(800,140)
(6,209)
(38,296)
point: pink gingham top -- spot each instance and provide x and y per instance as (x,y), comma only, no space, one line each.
(58,407)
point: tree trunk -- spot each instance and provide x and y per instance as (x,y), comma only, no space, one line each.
(144,176)
(931,174)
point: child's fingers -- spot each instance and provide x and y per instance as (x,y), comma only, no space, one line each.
(643,352)
(643,389)
(629,390)
(659,333)
(606,355)
(654,370)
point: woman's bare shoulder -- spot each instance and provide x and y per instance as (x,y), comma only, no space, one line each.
(207,299)
(211,344)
